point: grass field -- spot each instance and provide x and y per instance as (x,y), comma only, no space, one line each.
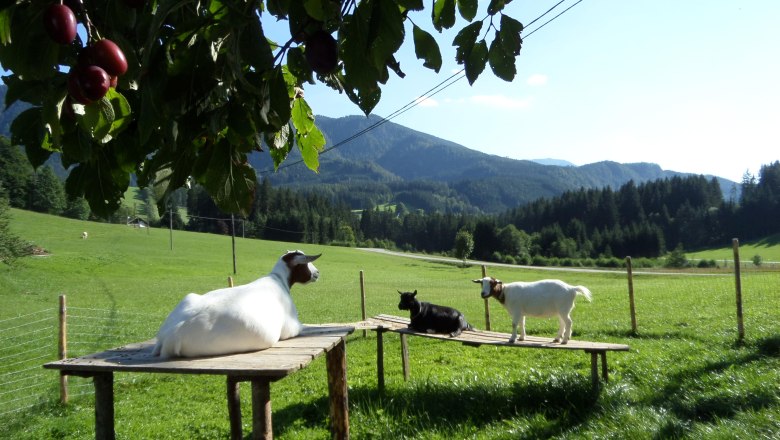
(685,376)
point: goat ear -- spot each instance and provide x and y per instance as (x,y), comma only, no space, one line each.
(415,293)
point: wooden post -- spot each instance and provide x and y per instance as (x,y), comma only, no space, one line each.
(230,281)
(631,294)
(63,347)
(487,303)
(594,369)
(380,360)
(738,283)
(262,427)
(234,408)
(363,300)
(336,360)
(405,356)
(104,406)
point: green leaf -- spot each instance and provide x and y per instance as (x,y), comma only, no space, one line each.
(27,130)
(443,14)
(467,8)
(465,41)
(502,62)
(412,5)
(255,50)
(228,178)
(426,48)
(322,10)
(5,26)
(476,61)
(298,66)
(309,138)
(123,115)
(496,6)
(97,120)
(279,144)
(510,34)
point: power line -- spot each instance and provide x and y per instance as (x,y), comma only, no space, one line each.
(428,94)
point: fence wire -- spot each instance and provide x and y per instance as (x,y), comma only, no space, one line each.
(28,341)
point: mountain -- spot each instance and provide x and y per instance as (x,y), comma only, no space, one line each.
(370,162)
(391,159)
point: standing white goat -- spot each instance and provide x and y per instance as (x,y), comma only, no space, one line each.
(538,298)
(238,319)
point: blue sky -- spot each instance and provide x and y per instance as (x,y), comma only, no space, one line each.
(690,85)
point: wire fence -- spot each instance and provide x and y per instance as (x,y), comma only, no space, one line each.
(28,341)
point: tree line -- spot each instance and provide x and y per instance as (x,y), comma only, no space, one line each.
(645,220)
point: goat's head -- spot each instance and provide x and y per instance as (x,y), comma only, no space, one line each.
(407,300)
(490,287)
(300,267)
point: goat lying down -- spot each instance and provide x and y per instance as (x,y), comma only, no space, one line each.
(238,319)
(538,298)
(432,318)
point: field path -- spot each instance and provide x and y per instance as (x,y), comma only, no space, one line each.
(441,259)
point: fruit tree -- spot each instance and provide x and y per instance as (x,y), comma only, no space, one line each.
(171,90)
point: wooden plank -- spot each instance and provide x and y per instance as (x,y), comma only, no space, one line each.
(398,324)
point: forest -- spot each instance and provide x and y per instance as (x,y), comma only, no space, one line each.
(644,221)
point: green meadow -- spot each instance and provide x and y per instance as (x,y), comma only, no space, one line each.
(687,375)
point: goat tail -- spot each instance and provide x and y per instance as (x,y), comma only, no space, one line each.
(582,290)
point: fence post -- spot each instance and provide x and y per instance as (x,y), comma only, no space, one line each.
(63,347)
(487,304)
(230,281)
(631,294)
(738,284)
(363,300)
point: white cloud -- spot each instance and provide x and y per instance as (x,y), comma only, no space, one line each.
(501,101)
(536,80)
(429,102)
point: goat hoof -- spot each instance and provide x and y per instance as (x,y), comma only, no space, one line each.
(511,341)
(564,342)
(557,340)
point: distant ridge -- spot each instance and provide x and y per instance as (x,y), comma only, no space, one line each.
(391,160)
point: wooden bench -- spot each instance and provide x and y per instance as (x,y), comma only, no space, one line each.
(259,367)
(475,338)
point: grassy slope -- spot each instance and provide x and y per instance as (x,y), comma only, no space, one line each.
(684,377)
(768,248)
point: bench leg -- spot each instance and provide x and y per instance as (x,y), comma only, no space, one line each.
(380,360)
(336,360)
(104,406)
(234,408)
(405,356)
(604,373)
(594,369)
(262,427)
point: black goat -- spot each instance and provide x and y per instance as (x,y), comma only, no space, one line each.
(432,318)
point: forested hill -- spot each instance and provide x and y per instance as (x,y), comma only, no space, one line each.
(391,163)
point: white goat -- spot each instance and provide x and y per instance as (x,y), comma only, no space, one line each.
(538,298)
(238,319)
(84,235)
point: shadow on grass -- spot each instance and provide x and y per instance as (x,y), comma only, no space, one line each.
(416,408)
(693,394)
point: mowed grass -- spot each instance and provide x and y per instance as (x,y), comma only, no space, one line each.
(685,376)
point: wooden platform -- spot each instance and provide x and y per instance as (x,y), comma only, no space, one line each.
(476,338)
(259,367)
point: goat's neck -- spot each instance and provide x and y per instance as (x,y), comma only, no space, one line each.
(415,309)
(497,292)
(282,272)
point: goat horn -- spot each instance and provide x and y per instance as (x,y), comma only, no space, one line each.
(476,281)
(310,258)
